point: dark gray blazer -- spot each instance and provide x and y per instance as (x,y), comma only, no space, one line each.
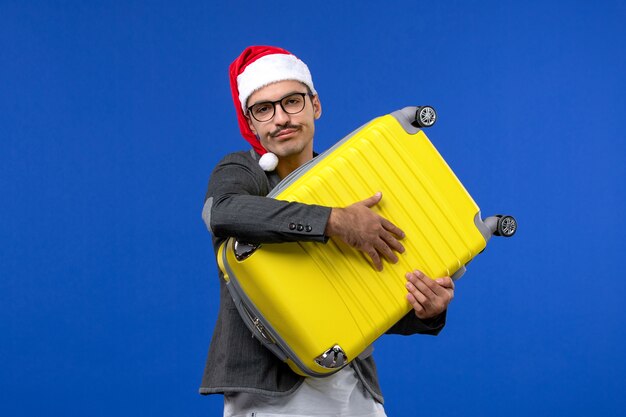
(235,205)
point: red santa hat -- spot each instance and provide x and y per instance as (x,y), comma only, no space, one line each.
(256,67)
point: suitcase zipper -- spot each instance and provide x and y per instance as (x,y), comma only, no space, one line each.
(258,326)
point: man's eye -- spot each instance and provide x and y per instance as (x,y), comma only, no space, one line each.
(293,100)
(261,109)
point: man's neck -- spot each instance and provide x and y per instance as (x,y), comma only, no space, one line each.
(287,165)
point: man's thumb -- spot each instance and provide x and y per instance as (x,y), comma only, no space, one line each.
(373,200)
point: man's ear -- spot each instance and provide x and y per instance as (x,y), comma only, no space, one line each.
(317,106)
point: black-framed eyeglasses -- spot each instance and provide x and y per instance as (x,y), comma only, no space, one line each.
(292,104)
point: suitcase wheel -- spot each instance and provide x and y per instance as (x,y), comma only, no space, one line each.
(425,116)
(507,226)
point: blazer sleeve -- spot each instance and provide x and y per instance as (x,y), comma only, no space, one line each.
(411,324)
(236,206)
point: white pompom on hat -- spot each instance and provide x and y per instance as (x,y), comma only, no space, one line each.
(268,161)
(256,67)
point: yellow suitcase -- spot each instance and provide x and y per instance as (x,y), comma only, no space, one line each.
(319,306)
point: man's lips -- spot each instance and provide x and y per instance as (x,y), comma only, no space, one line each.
(284,132)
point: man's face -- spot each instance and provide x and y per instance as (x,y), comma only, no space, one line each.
(286,135)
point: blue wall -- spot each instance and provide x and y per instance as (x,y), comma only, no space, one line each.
(112,116)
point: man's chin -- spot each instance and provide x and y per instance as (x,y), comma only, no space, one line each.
(288,151)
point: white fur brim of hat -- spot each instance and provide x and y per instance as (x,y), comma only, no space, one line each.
(270,69)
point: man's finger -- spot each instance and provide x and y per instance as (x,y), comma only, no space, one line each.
(445,282)
(373,254)
(392,242)
(386,251)
(422,286)
(425,285)
(417,294)
(373,200)
(392,228)
(415,304)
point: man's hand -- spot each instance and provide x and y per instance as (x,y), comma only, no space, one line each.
(428,297)
(361,228)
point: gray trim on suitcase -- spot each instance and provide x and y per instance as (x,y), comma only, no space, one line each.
(488,227)
(484,228)
(406,117)
(459,273)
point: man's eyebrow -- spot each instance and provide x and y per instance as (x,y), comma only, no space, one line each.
(270,101)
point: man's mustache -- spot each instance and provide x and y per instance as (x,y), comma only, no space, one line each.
(281,128)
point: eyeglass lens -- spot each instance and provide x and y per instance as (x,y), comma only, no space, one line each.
(292,104)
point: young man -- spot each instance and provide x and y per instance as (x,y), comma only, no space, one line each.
(277,106)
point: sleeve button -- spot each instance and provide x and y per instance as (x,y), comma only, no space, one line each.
(292,226)
(308,228)
(300,228)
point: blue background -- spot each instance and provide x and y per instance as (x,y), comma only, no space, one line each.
(112,116)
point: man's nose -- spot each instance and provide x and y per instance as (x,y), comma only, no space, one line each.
(280,116)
